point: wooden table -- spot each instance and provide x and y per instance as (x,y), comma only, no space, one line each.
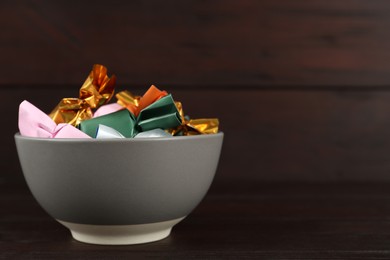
(274,220)
(307,179)
(302,92)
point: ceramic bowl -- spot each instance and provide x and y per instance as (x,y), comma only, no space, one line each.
(119,191)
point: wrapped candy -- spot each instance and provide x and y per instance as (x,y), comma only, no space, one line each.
(155,114)
(104,132)
(136,104)
(35,123)
(133,103)
(153,133)
(108,132)
(161,114)
(97,90)
(122,121)
(194,126)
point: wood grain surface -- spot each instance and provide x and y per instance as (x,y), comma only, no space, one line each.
(250,220)
(302,92)
(197,43)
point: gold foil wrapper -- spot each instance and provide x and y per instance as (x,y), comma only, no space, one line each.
(97,90)
(128,100)
(204,125)
(194,126)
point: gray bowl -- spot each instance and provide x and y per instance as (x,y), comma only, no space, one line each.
(119,191)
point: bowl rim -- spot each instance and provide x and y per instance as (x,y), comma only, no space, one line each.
(109,140)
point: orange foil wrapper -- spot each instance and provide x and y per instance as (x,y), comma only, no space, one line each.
(97,90)
(136,103)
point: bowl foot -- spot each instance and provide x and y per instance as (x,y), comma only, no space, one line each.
(120,234)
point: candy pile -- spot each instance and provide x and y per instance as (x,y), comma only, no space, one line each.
(155,114)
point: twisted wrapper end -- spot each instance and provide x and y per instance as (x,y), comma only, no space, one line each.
(97,90)
(194,126)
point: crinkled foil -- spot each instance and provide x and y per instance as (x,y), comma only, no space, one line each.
(97,90)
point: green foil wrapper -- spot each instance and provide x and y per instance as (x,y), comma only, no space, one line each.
(122,121)
(161,114)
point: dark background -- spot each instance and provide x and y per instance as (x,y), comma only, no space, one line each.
(301,87)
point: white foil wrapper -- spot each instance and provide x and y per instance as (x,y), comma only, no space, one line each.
(153,133)
(105,132)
